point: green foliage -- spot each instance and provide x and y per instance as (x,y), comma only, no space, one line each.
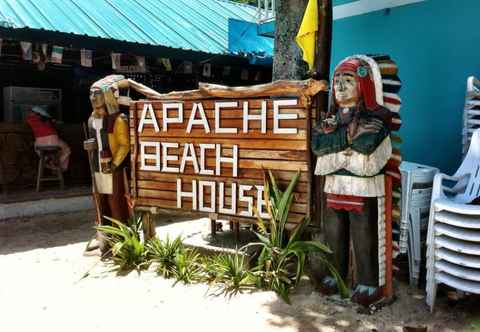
(163,253)
(232,273)
(128,251)
(174,260)
(187,267)
(282,254)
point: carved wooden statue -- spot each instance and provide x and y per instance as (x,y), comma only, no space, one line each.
(353,147)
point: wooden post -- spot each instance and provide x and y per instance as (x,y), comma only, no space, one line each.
(322,72)
(148,226)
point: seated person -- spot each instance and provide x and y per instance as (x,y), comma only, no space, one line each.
(45,134)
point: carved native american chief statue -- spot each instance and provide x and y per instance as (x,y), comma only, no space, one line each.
(353,146)
(110,145)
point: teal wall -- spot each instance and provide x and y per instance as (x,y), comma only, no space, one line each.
(436,44)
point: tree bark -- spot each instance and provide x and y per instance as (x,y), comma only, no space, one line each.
(287,60)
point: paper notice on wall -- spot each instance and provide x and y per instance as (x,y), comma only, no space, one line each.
(207,70)
(86,58)
(116,58)
(26,50)
(57,54)
(166,63)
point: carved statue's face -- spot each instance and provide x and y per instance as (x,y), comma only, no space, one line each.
(98,102)
(346,92)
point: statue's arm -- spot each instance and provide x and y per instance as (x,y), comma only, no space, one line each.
(325,143)
(120,131)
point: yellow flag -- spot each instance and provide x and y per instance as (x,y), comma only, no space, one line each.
(306,36)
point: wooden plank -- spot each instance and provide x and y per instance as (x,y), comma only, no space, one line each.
(200,134)
(172,195)
(273,144)
(242,174)
(171,183)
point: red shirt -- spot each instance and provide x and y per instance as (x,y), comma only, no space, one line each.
(39,127)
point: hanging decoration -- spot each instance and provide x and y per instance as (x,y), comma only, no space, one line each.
(207,70)
(57,54)
(141,64)
(166,64)
(187,67)
(116,60)
(86,57)
(39,55)
(26,50)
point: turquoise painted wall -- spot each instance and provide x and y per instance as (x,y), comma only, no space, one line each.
(436,44)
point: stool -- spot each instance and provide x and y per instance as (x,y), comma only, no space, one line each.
(45,152)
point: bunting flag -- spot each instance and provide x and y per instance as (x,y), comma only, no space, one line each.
(306,36)
(207,70)
(26,50)
(142,67)
(86,57)
(226,71)
(187,67)
(57,54)
(116,57)
(244,75)
(166,63)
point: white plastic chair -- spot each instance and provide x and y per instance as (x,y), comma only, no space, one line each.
(453,240)
(471,112)
(417,182)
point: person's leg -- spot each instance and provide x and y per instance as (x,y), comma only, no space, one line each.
(363,229)
(64,154)
(336,229)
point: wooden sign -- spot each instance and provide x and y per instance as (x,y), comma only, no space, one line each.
(205,150)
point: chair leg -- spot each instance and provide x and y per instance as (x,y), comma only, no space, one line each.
(40,171)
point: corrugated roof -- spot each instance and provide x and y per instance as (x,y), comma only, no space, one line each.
(199,25)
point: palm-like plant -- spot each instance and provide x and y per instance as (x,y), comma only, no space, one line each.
(232,273)
(282,256)
(128,251)
(163,253)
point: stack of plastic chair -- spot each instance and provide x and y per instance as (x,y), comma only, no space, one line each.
(417,182)
(471,113)
(453,240)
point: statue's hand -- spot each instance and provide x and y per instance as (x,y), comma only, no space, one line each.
(365,126)
(90,144)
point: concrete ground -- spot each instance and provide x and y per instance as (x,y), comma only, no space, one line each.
(41,289)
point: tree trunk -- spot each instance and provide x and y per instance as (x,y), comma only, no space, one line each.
(287,60)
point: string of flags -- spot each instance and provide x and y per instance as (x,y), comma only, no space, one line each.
(42,53)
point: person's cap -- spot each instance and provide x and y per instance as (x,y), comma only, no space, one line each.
(41,111)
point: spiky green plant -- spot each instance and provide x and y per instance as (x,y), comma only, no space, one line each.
(187,267)
(163,252)
(232,273)
(126,247)
(282,254)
